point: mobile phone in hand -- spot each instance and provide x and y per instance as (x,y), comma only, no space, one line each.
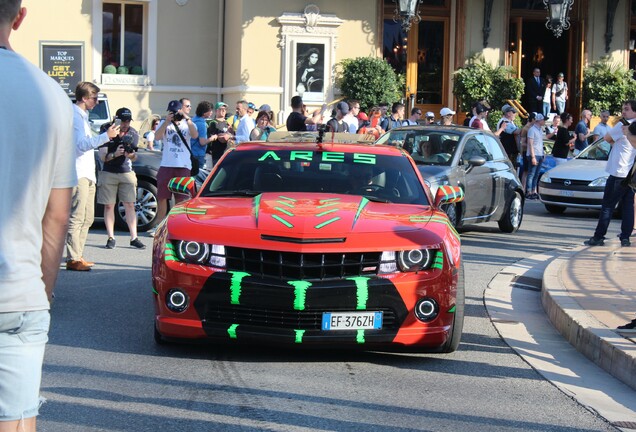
(625,122)
(117,122)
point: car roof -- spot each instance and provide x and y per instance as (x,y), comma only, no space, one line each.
(460,130)
(370,148)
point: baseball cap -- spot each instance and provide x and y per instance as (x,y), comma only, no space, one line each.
(362,116)
(174,106)
(507,108)
(123,114)
(220,105)
(343,107)
(250,105)
(480,108)
(560,74)
(446,111)
(265,107)
(430,114)
(539,117)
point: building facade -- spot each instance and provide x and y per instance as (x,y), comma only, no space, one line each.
(267,51)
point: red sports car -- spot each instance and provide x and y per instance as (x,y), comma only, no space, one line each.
(312,244)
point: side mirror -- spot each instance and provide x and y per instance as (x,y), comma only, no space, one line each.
(182,185)
(448,195)
(476,161)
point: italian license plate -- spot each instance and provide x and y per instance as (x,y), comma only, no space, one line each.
(567,193)
(351,320)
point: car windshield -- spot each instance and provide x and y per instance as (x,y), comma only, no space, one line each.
(426,146)
(378,177)
(598,151)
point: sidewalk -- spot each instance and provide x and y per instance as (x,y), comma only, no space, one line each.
(587,292)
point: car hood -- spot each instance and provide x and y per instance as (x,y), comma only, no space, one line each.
(319,223)
(579,169)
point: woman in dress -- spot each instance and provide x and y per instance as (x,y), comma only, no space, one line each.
(310,74)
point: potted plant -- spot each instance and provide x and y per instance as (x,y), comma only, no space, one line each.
(369,80)
(606,86)
(479,80)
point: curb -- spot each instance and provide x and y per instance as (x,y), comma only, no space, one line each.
(590,337)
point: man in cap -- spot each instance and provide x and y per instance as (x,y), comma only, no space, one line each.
(535,156)
(508,133)
(175,158)
(37,169)
(219,132)
(446,116)
(337,124)
(118,180)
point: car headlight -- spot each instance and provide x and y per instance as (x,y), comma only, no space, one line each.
(545,178)
(599,182)
(193,252)
(406,261)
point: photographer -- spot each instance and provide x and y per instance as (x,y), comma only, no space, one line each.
(118,178)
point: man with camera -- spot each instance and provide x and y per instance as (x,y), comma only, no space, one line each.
(176,131)
(118,179)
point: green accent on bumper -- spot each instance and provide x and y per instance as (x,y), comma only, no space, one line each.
(299,336)
(360,337)
(438,263)
(325,223)
(283,221)
(362,291)
(232,331)
(235,286)
(452,310)
(169,253)
(300,293)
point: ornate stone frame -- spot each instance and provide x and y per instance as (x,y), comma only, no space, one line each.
(309,27)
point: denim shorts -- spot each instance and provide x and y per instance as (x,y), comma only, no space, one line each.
(22,339)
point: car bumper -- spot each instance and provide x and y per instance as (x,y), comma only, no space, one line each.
(588,197)
(236,307)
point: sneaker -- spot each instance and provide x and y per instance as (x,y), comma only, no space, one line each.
(136,243)
(110,243)
(76,265)
(594,242)
(629,326)
(625,242)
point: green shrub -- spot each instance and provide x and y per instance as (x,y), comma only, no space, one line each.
(122,70)
(110,69)
(369,80)
(607,85)
(479,80)
(137,70)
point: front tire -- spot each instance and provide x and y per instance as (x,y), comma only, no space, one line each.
(513,214)
(458,323)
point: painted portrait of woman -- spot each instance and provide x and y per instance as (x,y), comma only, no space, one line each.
(310,68)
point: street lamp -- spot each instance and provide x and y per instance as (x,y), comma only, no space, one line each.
(558,19)
(407,12)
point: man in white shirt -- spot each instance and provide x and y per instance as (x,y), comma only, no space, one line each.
(83,204)
(416,114)
(602,128)
(351,118)
(37,171)
(246,123)
(619,163)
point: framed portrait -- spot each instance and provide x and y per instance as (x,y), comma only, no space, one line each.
(310,71)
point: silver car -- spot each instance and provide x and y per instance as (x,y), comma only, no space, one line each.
(577,183)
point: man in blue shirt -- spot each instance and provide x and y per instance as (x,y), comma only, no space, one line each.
(582,131)
(199,145)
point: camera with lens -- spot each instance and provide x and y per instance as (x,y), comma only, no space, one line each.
(177,116)
(128,148)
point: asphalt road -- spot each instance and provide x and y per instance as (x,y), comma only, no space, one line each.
(103,371)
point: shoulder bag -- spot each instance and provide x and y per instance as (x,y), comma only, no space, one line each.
(194,161)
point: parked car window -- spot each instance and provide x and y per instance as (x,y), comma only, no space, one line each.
(474,148)
(425,145)
(493,147)
(599,151)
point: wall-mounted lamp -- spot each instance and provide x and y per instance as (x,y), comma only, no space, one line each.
(558,19)
(407,12)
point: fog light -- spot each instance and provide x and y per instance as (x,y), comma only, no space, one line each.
(426,309)
(177,300)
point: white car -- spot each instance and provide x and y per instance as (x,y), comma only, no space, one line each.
(577,183)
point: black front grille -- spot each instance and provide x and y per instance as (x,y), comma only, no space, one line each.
(282,319)
(573,183)
(302,266)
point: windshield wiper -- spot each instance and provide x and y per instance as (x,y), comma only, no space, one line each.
(241,192)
